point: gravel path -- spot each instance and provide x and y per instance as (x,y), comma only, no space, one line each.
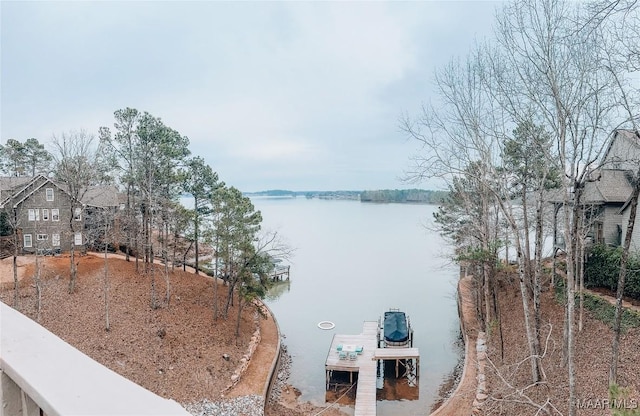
(284,371)
(240,406)
(252,405)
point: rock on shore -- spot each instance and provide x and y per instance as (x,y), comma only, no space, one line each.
(239,406)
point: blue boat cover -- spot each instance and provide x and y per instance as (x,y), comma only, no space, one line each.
(395,327)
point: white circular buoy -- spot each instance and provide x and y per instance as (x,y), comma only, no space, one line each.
(326,325)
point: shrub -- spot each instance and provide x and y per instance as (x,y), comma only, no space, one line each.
(603,267)
(601,309)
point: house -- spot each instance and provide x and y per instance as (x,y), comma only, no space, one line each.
(46,216)
(605,194)
(623,151)
(607,190)
(635,237)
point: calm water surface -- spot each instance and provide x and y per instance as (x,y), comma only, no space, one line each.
(352,262)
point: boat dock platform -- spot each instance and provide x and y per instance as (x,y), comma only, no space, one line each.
(360,354)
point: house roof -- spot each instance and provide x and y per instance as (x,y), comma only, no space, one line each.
(629,136)
(97,196)
(8,183)
(609,186)
(101,196)
(25,190)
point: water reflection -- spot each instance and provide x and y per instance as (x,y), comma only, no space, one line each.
(278,289)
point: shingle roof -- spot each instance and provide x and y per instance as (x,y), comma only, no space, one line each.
(629,134)
(611,186)
(97,196)
(11,182)
(101,196)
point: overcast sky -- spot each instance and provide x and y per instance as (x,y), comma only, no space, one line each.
(274,95)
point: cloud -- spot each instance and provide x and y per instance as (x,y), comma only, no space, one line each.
(270,93)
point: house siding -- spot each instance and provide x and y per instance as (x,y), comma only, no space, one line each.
(37,200)
(20,195)
(612,221)
(635,237)
(623,153)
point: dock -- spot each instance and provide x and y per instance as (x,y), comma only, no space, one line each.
(365,363)
(280,273)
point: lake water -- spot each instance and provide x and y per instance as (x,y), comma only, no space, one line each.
(353,261)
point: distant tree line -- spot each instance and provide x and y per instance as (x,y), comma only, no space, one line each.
(385,195)
(404,196)
(273,192)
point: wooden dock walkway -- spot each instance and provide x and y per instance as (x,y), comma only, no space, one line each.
(365,363)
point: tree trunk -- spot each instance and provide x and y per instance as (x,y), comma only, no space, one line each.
(165,258)
(129,222)
(38,288)
(615,347)
(556,210)
(136,243)
(239,316)
(232,285)
(16,286)
(581,284)
(215,282)
(571,257)
(148,257)
(196,233)
(536,373)
(107,325)
(537,272)
(527,238)
(74,268)
(506,245)
(72,254)
(486,269)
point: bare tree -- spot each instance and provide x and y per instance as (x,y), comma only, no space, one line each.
(542,68)
(78,166)
(562,80)
(255,270)
(121,149)
(467,129)
(509,391)
(621,56)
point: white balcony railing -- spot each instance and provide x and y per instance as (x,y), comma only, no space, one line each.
(40,374)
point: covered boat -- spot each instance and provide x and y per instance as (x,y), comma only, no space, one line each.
(396,329)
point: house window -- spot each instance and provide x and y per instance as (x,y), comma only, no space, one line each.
(599,233)
(49,192)
(77,238)
(27,240)
(43,237)
(55,214)
(55,240)
(77,214)
(45,214)
(37,215)
(32,214)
